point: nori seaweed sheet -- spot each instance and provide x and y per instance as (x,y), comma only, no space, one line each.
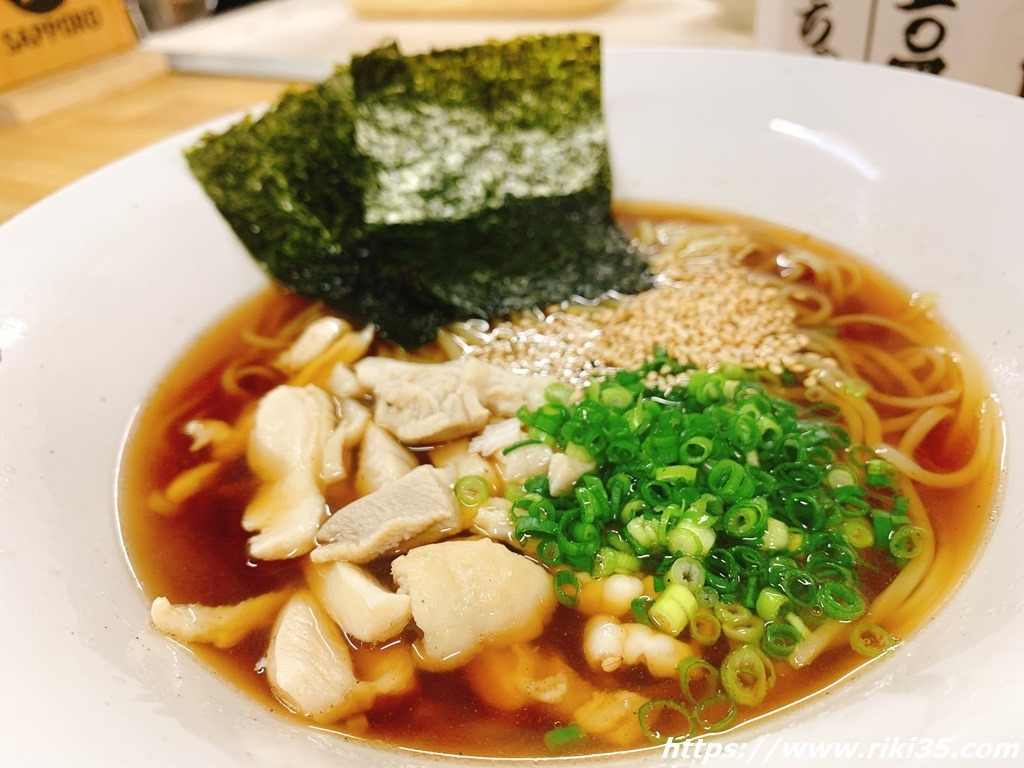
(411,191)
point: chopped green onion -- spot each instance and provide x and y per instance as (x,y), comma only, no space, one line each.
(682,472)
(644,532)
(705,627)
(907,541)
(729,480)
(616,397)
(559,738)
(559,393)
(779,640)
(746,629)
(746,519)
(860,455)
(549,553)
(839,601)
(869,639)
(698,679)
(641,606)
(771,603)
(688,538)
(721,571)
(577,452)
(856,387)
(799,587)
(563,579)
(686,571)
(859,533)
(776,535)
(716,487)
(706,596)
(703,710)
(653,710)
(514,491)
(472,490)
(671,612)
(695,450)
(744,676)
(508,449)
(840,476)
(879,473)
(608,561)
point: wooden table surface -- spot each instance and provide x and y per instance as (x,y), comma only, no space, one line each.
(45,155)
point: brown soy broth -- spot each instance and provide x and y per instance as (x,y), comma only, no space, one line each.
(199,555)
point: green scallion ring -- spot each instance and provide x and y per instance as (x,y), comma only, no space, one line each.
(559,393)
(744,676)
(703,709)
(472,490)
(695,450)
(705,627)
(617,397)
(907,541)
(651,710)
(858,533)
(566,578)
(869,639)
(748,629)
(549,553)
(728,479)
(780,639)
(799,587)
(746,519)
(559,738)
(839,601)
(707,597)
(695,672)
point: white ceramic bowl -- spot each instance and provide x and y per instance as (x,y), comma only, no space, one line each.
(103,284)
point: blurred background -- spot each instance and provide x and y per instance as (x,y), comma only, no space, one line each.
(334,29)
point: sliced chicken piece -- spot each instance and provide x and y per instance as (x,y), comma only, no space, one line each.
(313,341)
(471,594)
(311,668)
(382,521)
(382,460)
(564,471)
(290,428)
(354,417)
(460,461)
(334,465)
(222,625)
(343,383)
(494,520)
(308,664)
(501,391)
(498,436)
(360,605)
(421,403)
(524,462)
(352,422)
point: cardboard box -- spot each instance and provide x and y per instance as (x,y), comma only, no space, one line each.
(38,37)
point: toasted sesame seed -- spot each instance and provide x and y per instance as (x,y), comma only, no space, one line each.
(705,308)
